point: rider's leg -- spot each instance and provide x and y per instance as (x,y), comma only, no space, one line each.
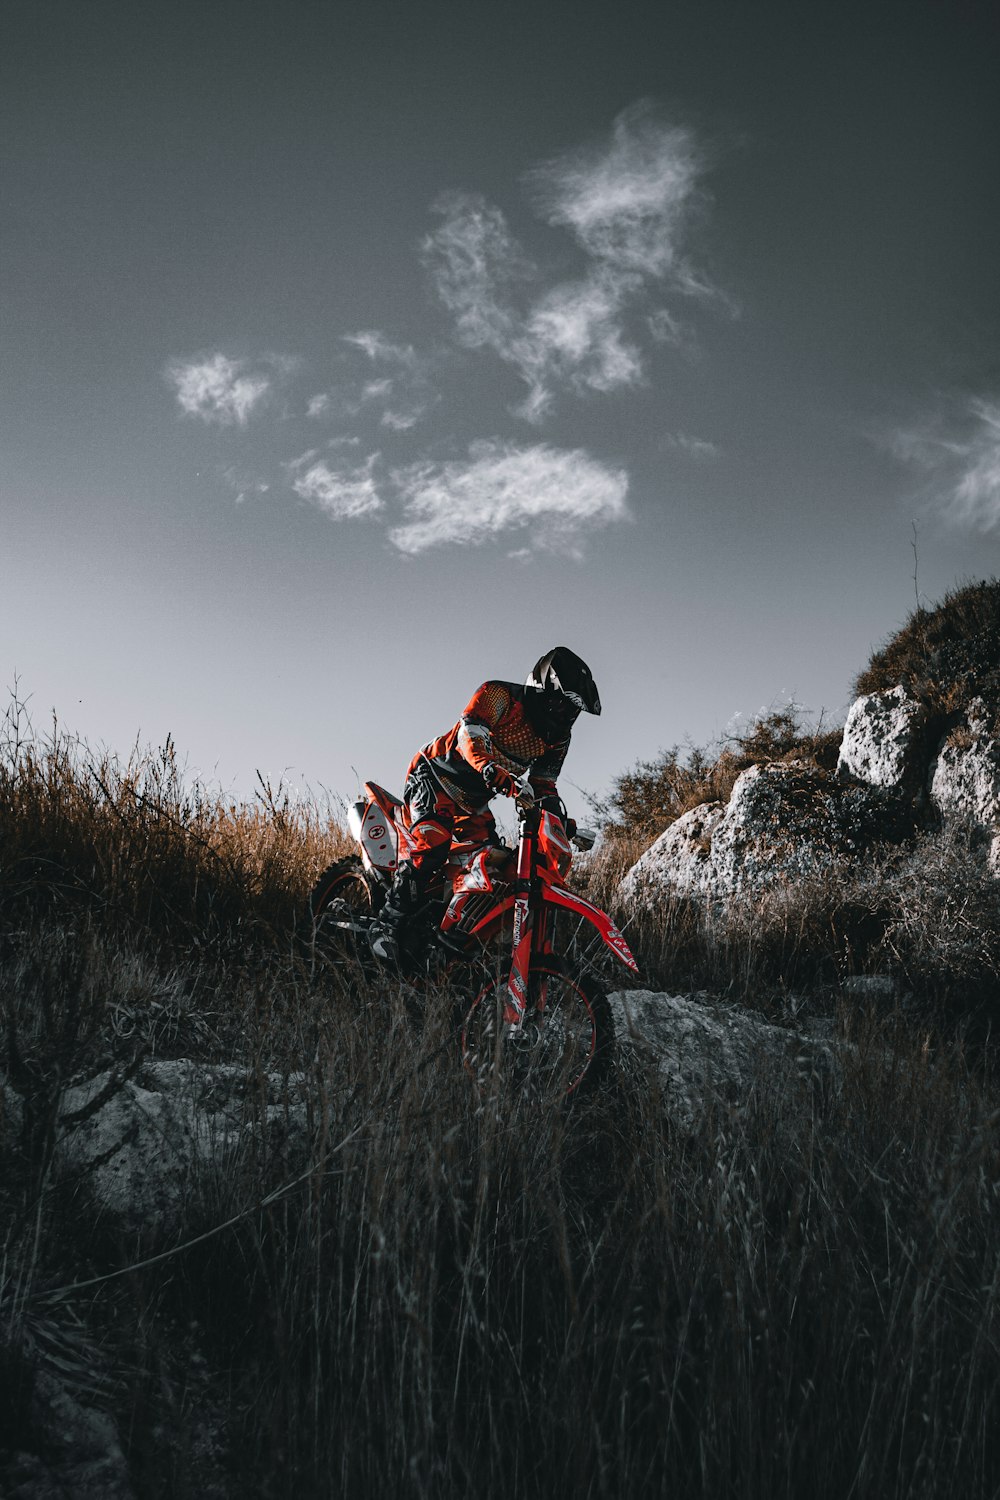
(429,816)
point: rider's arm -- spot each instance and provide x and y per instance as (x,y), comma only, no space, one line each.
(482,714)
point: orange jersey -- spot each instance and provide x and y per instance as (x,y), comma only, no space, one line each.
(494,728)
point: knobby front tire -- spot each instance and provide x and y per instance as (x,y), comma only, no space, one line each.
(565,1044)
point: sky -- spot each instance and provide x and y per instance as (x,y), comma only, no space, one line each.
(354,354)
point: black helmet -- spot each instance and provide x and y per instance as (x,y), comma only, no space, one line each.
(563,687)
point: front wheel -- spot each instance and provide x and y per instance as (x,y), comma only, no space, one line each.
(563,1044)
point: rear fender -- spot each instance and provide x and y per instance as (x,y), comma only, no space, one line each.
(377,825)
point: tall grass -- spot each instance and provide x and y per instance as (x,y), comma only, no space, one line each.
(156,856)
(476,1296)
(452,1294)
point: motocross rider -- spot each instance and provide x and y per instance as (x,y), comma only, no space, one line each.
(505,731)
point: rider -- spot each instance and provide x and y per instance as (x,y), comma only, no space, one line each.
(505,731)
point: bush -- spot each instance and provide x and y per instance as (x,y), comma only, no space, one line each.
(655,793)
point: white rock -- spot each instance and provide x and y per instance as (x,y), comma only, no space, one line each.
(707,1055)
(777,829)
(966,776)
(79,1451)
(785,822)
(139,1153)
(883,738)
(680,859)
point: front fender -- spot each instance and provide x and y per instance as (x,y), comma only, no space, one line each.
(557,895)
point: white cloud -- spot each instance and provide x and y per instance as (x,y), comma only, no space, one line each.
(976,500)
(695,447)
(218,389)
(628,204)
(403,419)
(574,334)
(405,394)
(343,495)
(556,496)
(966,460)
(244,482)
(380,348)
(474,261)
(628,200)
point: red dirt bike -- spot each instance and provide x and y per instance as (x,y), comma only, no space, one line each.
(505,913)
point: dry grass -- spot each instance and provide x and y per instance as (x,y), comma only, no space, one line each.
(503,1300)
(946,655)
(801,1297)
(167,863)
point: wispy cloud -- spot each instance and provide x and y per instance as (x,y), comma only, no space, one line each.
(626,200)
(475,264)
(627,203)
(244,482)
(218,389)
(342,494)
(403,392)
(694,447)
(381,349)
(964,458)
(557,496)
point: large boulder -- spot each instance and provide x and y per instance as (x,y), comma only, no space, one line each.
(965,780)
(709,1056)
(138,1153)
(785,821)
(884,739)
(680,859)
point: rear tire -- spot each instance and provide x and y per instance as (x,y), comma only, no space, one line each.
(343,889)
(565,1044)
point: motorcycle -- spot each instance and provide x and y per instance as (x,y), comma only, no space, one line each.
(499,914)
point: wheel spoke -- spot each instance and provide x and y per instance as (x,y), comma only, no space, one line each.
(561,1041)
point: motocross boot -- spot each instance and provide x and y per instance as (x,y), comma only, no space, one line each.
(391,933)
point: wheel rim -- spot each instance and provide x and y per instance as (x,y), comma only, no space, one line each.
(555,1050)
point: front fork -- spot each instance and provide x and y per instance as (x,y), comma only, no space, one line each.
(529,943)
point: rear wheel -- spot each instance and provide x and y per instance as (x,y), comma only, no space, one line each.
(343,894)
(562,1045)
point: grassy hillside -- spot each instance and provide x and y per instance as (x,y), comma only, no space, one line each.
(459,1297)
(947,654)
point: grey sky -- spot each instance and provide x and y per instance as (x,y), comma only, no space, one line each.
(354,354)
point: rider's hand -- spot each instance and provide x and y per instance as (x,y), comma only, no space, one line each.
(500,782)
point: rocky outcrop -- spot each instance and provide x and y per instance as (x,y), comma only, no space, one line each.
(884,739)
(709,1056)
(784,822)
(789,821)
(965,780)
